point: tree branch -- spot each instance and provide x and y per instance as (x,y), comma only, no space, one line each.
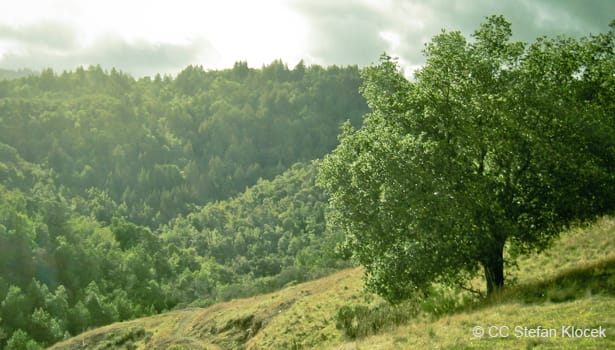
(471,290)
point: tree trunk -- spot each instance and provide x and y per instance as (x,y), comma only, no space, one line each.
(493,264)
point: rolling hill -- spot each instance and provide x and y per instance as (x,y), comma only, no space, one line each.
(570,284)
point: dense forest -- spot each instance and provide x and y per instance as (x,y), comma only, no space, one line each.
(124,197)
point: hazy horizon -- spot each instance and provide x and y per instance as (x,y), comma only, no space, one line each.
(148,37)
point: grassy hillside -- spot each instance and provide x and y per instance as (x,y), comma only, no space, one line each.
(570,284)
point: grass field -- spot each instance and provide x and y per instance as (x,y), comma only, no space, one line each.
(570,284)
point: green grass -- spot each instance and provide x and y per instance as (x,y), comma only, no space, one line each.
(571,283)
(455,331)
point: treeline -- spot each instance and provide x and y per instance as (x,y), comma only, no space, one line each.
(121,198)
(151,149)
(7,74)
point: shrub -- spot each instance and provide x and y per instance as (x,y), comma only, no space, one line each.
(359,320)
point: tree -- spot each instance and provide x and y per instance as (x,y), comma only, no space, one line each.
(20,340)
(44,328)
(79,318)
(94,163)
(15,309)
(493,143)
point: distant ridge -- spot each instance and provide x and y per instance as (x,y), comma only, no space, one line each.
(9,74)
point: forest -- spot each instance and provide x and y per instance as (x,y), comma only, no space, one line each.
(124,197)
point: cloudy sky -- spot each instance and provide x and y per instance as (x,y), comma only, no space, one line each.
(145,37)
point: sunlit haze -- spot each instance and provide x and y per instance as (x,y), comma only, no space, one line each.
(146,37)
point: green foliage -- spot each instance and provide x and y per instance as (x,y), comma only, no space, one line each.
(358,321)
(439,300)
(303,315)
(150,150)
(493,142)
(270,235)
(349,318)
(21,341)
(121,198)
(6,74)
(45,328)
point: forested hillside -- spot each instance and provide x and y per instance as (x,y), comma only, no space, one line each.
(123,197)
(151,149)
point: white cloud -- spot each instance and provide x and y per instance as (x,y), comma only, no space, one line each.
(167,35)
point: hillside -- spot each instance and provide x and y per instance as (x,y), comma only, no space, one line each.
(152,149)
(571,283)
(173,191)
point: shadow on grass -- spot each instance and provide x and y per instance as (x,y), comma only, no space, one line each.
(598,278)
(358,321)
(579,282)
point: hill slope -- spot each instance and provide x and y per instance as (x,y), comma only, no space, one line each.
(570,284)
(300,313)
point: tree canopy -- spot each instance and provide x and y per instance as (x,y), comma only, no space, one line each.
(121,198)
(494,143)
(151,149)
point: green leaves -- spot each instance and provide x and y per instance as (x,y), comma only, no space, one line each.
(153,150)
(492,142)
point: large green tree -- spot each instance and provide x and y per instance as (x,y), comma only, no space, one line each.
(493,142)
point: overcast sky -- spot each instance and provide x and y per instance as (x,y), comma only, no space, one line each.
(145,37)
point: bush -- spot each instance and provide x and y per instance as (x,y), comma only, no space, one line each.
(441,300)
(359,320)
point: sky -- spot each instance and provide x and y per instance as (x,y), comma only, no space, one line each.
(145,37)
